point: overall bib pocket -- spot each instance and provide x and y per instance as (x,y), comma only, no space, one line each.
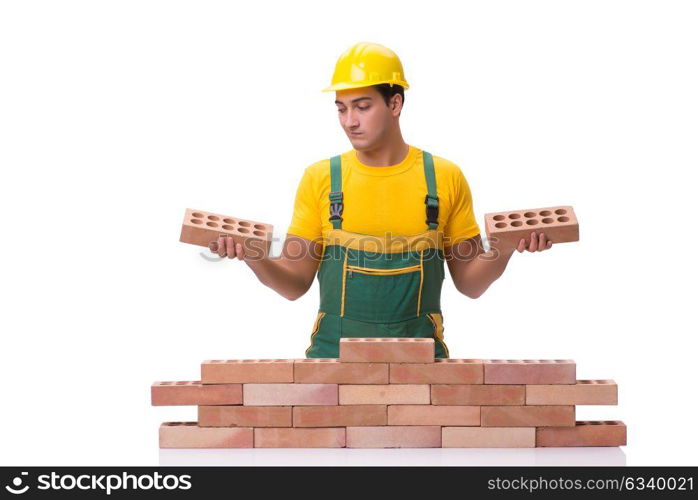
(382,295)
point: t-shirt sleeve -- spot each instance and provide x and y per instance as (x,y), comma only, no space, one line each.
(461,224)
(305,221)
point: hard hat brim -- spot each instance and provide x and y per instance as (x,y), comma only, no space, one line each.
(357,85)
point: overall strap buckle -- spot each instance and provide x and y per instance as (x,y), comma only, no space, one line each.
(336,205)
(432,206)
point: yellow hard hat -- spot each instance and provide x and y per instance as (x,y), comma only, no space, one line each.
(366,64)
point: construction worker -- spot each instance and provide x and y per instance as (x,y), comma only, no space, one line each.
(377,223)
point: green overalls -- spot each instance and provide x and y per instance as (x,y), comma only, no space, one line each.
(374,286)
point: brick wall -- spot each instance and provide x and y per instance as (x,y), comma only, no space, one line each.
(388,393)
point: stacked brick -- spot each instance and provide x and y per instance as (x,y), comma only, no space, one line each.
(388,393)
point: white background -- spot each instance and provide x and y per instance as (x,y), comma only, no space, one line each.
(116,116)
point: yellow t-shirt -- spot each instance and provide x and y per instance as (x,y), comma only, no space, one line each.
(384,200)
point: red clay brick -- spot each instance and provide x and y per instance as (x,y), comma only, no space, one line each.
(584,392)
(339,416)
(194,393)
(398,436)
(190,435)
(289,394)
(584,433)
(489,437)
(296,437)
(559,223)
(245,416)
(247,371)
(332,371)
(530,371)
(384,394)
(441,371)
(527,416)
(386,350)
(201,228)
(433,415)
(478,394)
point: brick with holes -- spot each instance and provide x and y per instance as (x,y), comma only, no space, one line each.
(433,415)
(530,371)
(478,394)
(584,392)
(396,436)
(396,394)
(339,416)
(584,433)
(245,416)
(505,229)
(244,371)
(300,437)
(332,371)
(201,228)
(289,394)
(441,371)
(190,435)
(386,350)
(194,393)
(488,437)
(527,416)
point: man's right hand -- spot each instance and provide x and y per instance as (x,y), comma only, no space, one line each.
(225,246)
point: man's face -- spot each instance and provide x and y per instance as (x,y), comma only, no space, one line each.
(364,116)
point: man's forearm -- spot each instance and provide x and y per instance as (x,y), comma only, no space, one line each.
(274,273)
(474,270)
(483,270)
(292,273)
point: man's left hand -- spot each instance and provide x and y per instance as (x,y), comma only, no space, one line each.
(536,243)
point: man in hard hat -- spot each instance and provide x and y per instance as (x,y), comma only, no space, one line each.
(377,223)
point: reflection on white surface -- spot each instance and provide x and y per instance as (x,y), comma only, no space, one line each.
(396,456)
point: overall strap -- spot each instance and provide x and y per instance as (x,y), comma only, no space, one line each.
(431,200)
(336,196)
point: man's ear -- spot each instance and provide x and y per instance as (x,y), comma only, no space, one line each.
(396,102)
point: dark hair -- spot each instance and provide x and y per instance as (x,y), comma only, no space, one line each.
(388,91)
